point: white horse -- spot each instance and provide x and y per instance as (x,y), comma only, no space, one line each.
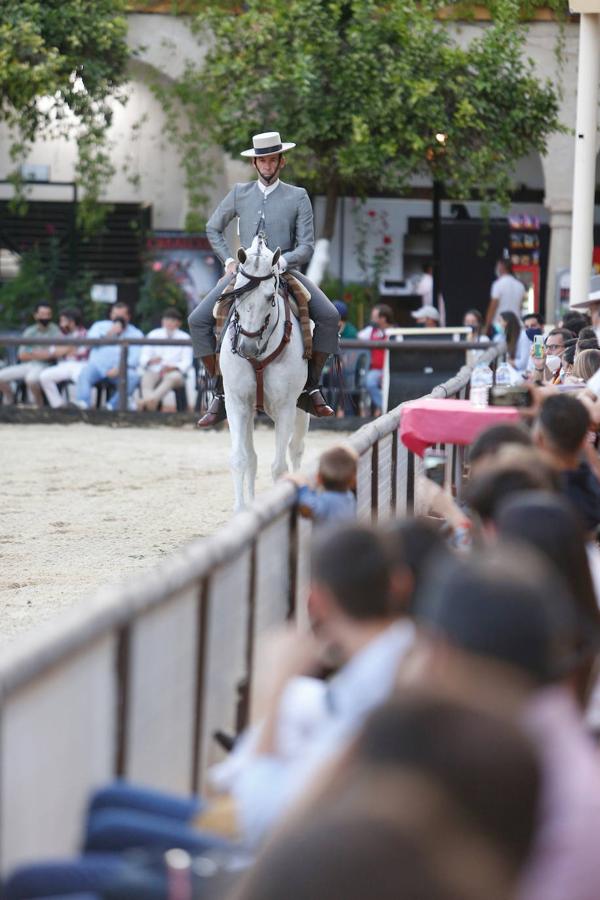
(262,344)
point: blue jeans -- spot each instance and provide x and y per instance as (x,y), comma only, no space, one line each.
(121,794)
(373,380)
(91,375)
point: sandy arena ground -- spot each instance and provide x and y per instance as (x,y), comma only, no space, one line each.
(84,505)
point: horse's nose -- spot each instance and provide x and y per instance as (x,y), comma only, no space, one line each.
(248,347)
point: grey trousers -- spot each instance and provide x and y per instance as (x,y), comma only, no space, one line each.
(322,312)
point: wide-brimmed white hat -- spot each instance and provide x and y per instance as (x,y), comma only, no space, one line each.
(593,295)
(426,312)
(266,143)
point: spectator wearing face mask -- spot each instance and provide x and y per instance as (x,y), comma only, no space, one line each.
(32,359)
(103,363)
(549,367)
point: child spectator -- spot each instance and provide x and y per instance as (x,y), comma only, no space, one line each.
(333,499)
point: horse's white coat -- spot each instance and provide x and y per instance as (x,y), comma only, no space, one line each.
(284,378)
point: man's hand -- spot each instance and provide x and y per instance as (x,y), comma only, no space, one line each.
(539,362)
(439,502)
(154,361)
(112,373)
(231,267)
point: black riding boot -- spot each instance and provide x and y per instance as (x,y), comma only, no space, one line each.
(311,399)
(216,411)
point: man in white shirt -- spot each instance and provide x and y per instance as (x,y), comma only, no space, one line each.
(164,368)
(507,295)
(308,721)
(424,287)
(70,360)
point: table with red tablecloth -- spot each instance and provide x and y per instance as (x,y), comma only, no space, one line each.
(427,422)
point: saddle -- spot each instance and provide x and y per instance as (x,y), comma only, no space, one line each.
(298,298)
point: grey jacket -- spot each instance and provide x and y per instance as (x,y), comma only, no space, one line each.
(288,221)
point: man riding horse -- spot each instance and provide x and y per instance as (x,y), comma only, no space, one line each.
(283,214)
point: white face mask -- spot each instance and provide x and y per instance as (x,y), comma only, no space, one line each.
(554,363)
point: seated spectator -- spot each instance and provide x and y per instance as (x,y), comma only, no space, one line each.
(473,319)
(588,332)
(103,362)
(333,499)
(560,432)
(533,324)
(556,343)
(513,470)
(502,628)
(575,321)
(487,444)
(164,368)
(518,345)
(347,329)
(568,363)
(426,316)
(452,786)
(413,545)
(382,319)
(33,359)
(70,360)
(549,524)
(353,622)
(587,363)
(587,344)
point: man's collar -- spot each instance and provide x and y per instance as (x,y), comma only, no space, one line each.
(267,188)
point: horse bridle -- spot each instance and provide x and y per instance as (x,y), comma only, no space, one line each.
(253,281)
(260,364)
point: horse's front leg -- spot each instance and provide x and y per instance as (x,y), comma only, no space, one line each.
(243,458)
(284,425)
(251,457)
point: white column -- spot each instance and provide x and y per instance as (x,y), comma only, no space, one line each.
(585,156)
(560,250)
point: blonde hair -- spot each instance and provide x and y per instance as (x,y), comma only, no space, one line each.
(337,468)
(586,364)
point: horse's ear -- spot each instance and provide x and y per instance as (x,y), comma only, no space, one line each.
(241,255)
(276,256)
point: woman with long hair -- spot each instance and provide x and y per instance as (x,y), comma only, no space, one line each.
(518,345)
(587,363)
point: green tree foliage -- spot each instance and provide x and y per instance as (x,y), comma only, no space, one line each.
(364,87)
(40,278)
(62,64)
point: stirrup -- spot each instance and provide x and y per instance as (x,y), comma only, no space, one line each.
(215,413)
(314,403)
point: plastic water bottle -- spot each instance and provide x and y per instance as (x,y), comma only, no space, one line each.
(481,382)
(503,375)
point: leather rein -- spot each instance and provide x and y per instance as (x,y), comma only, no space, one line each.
(259,364)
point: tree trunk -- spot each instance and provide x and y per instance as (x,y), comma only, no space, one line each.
(330,209)
(320,260)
